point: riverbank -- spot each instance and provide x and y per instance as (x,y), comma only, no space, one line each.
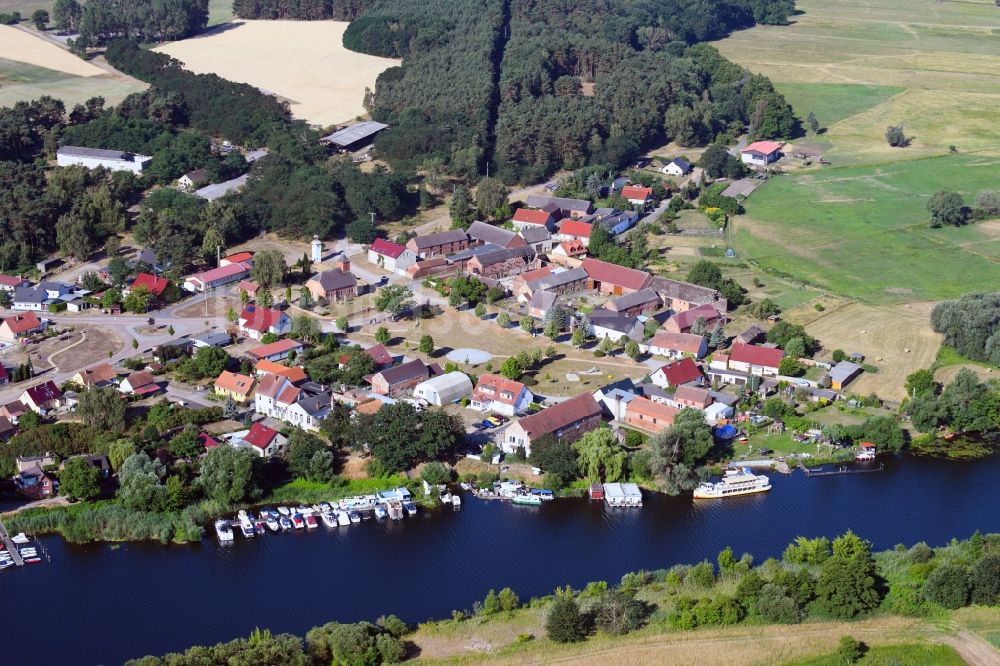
(789,611)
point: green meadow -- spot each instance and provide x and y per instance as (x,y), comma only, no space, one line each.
(859,226)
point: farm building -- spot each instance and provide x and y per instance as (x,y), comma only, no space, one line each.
(680,296)
(217,277)
(525,217)
(354,137)
(603,323)
(538,239)
(574,230)
(96,158)
(654,417)
(755,360)
(481,233)
(218,190)
(439,244)
(613,279)
(842,374)
(644,301)
(565,207)
(444,389)
(391,256)
(677,167)
(683,321)
(761,153)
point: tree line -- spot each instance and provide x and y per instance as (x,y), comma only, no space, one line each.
(302,10)
(147,20)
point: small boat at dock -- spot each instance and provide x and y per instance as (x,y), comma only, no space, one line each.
(410,508)
(247,529)
(284,511)
(272,524)
(343,519)
(298,522)
(223,530)
(285,522)
(380,512)
(456,500)
(19,538)
(329,519)
(527,500)
(354,516)
(311,522)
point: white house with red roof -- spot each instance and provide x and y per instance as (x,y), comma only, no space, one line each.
(494,393)
(637,195)
(10,282)
(155,285)
(755,359)
(266,442)
(761,153)
(42,397)
(574,230)
(391,256)
(256,321)
(20,326)
(217,277)
(526,217)
(684,371)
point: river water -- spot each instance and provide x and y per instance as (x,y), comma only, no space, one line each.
(104,604)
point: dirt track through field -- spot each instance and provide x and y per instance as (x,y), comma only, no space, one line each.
(303,62)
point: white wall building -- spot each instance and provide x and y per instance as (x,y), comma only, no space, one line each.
(94,158)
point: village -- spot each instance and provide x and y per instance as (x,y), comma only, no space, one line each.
(529,285)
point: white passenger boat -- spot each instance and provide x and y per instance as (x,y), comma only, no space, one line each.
(734,482)
(223,530)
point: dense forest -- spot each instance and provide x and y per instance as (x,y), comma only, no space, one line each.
(148,20)
(303,10)
(533,85)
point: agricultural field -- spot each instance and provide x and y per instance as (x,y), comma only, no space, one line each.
(31,66)
(303,62)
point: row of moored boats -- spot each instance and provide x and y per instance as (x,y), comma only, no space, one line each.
(286,519)
(28,553)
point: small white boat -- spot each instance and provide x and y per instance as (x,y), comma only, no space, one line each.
(324,506)
(343,519)
(223,530)
(242,515)
(19,538)
(6,563)
(273,524)
(465,486)
(354,516)
(380,512)
(283,510)
(247,529)
(411,508)
(285,522)
(32,560)
(329,519)
(445,498)
(456,500)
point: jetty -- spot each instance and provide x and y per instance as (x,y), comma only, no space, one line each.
(15,553)
(843,470)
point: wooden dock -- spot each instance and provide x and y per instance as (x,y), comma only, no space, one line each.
(836,472)
(15,554)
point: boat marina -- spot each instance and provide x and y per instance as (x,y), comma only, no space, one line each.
(19,550)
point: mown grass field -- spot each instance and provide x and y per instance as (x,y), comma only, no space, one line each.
(858,227)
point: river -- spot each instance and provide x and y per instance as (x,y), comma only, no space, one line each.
(104,604)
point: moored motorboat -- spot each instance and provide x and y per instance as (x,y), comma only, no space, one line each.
(223,530)
(273,524)
(456,500)
(298,521)
(354,516)
(284,511)
(285,522)
(527,500)
(343,519)
(410,508)
(380,512)
(19,538)
(311,522)
(329,519)
(247,529)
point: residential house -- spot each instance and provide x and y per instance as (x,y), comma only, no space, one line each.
(34,483)
(276,351)
(217,277)
(245,257)
(256,321)
(752,335)
(140,384)
(333,285)
(638,195)
(761,153)
(153,284)
(574,230)
(99,462)
(542,303)
(755,360)
(526,217)
(691,396)
(13,411)
(481,233)
(613,279)
(96,158)
(30,298)
(439,244)
(391,256)
(680,296)
(519,286)
(677,373)
(234,385)
(683,321)
(652,417)
(566,421)
(614,398)
(380,355)
(269,387)
(538,239)
(400,379)
(99,376)
(613,325)
(444,389)
(295,374)
(266,442)
(569,253)
(842,374)
(618,222)
(193,179)
(644,301)
(211,339)
(560,205)
(676,345)
(250,287)
(20,326)
(42,398)
(7,429)
(308,410)
(495,393)
(10,283)
(677,167)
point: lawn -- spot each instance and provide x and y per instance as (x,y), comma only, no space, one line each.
(832,102)
(863,231)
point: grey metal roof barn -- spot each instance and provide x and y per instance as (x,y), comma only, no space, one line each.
(219,190)
(101,153)
(354,133)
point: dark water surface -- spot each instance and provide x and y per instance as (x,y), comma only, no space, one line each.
(102,604)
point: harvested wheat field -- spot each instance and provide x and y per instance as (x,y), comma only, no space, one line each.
(895,339)
(24,47)
(304,62)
